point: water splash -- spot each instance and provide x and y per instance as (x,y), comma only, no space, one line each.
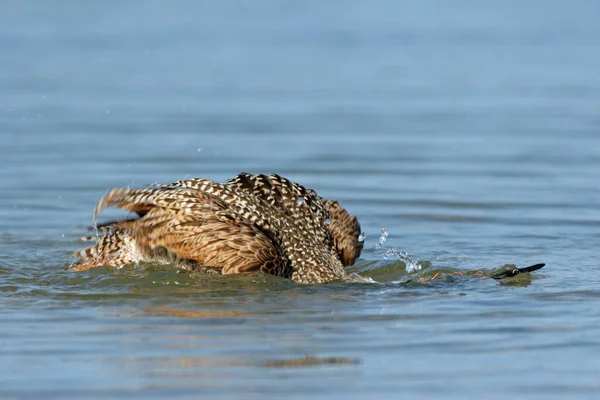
(411,265)
(389,253)
(382,238)
(95,228)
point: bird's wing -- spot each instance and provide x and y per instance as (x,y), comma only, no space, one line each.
(194,225)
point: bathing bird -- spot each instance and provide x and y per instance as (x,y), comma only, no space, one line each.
(250,223)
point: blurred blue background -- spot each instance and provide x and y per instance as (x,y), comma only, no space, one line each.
(468,129)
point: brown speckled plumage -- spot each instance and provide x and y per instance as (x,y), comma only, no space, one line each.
(251,223)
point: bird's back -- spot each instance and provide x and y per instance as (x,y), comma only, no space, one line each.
(251,223)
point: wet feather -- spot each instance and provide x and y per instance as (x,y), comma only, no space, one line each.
(252,223)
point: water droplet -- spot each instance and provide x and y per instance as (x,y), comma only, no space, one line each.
(199,149)
(96,233)
(362,237)
(412,266)
(327,221)
(299,201)
(382,238)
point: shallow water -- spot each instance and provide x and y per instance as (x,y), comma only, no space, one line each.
(468,130)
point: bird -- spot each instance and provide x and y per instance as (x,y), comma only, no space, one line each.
(251,223)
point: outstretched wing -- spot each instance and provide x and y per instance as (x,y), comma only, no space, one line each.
(195,225)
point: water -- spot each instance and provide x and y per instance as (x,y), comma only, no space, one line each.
(469,130)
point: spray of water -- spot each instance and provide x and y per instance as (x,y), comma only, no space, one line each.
(96,233)
(391,253)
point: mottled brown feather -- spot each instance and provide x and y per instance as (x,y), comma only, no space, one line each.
(342,227)
(345,230)
(115,248)
(252,223)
